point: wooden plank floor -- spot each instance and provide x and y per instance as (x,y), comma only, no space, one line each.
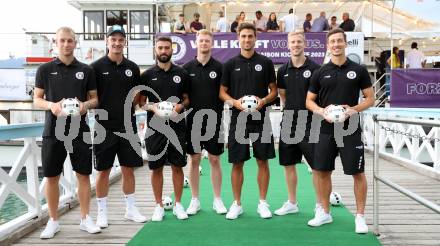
(402,221)
(120,231)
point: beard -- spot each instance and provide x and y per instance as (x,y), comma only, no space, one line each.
(163,58)
(250,48)
(205,51)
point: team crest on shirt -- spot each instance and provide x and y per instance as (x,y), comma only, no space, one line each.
(258,68)
(79,75)
(128,72)
(177,79)
(213,75)
(351,75)
(307,74)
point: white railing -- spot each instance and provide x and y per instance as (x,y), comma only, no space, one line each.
(378,178)
(30,158)
(413,144)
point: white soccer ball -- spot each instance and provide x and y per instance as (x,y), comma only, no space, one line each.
(335,199)
(165,109)
(336,113)
(200,170)
(70,106)
(249,103)
(185,182)
(167,202)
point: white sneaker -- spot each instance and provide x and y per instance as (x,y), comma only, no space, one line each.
(52,227)
(361,224)
(234,211)
(88,225)
(194,206)
(321,218)
(101,218)
(263,210)
(158,213)
(133,214)
(218,206)
(179,211)
(287,208)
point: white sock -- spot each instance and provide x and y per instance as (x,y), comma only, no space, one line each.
(130,200)
(261,201)
(51,220)
(83,219)
(102,203)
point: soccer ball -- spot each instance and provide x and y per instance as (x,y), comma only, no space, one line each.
(167,202)
(249,103)
(335,199)
(70,107)
(200,170)
(336,113)
(185,182)
(165,109)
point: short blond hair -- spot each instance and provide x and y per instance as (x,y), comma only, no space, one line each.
(66,29)
(204,32)
(296,33)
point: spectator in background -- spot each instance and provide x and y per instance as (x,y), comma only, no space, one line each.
(242,18)
(288,22)
(196,25)
(234,24)
(347,23)
(307,26)
(222,24)
(272,24)
(415,58)
(181,26)
(394,60)
(320,24)
(333,24)
(261,21)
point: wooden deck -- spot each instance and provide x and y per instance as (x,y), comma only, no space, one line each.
(402,221)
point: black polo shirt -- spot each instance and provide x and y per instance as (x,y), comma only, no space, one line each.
(171,83)
(114,81)
(296,81)
(64,81)
(251,76)
(339,85)
(204,84)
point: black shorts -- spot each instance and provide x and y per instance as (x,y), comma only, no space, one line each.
(53,155)
(239,152)
(114,145)
(162,152)
(213,145)
(291,154)
(352,153)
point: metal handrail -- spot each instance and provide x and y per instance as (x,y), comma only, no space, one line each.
(377,178)
(380,78)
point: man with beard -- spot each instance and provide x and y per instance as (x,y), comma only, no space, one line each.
(62,78)
(166,142)
(338,83)
(116,76)
(205,73)
(293,81)
(249,73)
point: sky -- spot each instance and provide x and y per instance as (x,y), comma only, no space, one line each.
(48,15)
